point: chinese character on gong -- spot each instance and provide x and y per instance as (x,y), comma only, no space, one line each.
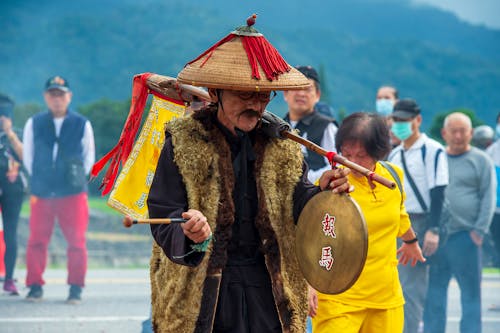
(326,260)
(329,225)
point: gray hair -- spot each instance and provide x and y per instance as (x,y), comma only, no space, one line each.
(457,116)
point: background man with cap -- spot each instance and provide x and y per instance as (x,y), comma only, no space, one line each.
(58,154)
(312,125)
(12,184)
(425,170)
(244,188)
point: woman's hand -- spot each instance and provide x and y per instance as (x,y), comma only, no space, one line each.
(410,253)
(196,228)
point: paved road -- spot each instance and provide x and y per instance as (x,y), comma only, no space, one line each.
(117,301)
(114,301)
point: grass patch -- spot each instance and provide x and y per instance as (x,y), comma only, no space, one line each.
(116,237)
(491,270)
(98,204)
(92,264)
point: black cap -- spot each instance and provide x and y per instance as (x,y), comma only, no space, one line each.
(405,109)
(6,106)
(57,82)
(308,72)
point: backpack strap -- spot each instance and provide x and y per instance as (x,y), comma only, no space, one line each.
(394,175)
(436,158)
(412,183)
(436,161)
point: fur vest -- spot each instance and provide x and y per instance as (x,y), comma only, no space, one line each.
(184,298)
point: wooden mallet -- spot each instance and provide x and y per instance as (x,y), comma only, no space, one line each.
(128,221)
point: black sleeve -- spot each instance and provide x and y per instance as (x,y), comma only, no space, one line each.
(304,191)
(168,198)
(437,199)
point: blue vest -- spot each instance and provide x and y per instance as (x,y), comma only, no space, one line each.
(64,176)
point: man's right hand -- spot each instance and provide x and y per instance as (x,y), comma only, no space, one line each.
(6,124)
(335,180)
(196,228)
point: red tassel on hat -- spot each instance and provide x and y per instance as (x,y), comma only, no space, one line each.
(121,151)
(271,62)
(259,52)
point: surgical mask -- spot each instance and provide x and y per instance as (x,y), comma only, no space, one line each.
(401,129)
(497,131)
(384,106)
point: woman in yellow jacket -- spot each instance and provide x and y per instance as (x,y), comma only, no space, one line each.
(375,302)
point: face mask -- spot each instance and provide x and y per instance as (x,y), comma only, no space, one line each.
(383,106)
(401,129)
(497,131)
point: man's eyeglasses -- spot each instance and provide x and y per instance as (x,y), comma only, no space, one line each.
(56,93)
(261,96)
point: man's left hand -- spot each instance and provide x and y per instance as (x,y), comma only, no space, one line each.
(431,243)
(336,180)
(476,238)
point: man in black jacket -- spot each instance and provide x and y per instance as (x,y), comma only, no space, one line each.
(311,124)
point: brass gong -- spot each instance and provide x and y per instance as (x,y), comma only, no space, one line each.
(331,242)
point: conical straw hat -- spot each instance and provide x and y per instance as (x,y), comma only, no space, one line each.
(243,60)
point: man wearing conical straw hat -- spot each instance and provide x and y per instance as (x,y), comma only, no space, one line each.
(232,266)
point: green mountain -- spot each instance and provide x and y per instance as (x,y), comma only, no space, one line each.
(359,45)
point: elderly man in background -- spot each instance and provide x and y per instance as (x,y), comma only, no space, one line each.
(471,195)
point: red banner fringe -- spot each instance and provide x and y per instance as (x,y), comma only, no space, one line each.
(119,154)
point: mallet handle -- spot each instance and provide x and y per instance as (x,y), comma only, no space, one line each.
(339,159)
(159,221)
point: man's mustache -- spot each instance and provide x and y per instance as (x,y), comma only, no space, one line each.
(251,112)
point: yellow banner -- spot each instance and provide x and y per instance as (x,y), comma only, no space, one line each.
(131,189)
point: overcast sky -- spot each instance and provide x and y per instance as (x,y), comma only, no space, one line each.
(485,12)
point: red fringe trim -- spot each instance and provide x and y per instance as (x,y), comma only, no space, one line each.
(259,52)
(271,62)
(121,151)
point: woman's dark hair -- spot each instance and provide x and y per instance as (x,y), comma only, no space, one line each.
(369,129)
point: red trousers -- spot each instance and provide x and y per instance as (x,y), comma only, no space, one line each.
(72,213)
